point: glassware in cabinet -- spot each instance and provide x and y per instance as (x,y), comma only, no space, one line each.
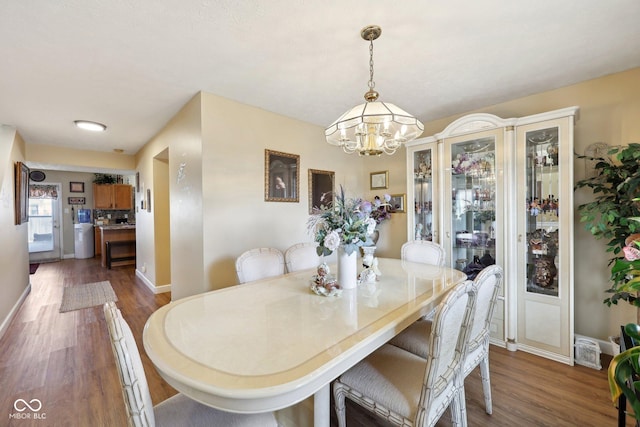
(422,191)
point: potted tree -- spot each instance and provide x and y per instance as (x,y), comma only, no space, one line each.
(615,215)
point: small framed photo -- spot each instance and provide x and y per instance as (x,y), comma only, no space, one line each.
(76,200)
(379,180)
(76,187)
(397,202)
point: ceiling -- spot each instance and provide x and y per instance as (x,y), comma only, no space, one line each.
(132,64)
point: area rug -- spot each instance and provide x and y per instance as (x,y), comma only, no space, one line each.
(87,295)
(33,267)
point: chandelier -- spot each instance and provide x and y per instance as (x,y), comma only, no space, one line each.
(374,127)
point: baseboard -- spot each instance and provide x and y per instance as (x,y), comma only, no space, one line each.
(14,310)
(155,289)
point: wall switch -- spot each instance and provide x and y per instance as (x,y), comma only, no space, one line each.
(66,210)
(126,215)
(109,216)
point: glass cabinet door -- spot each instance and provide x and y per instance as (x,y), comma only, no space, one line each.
(545,238)
(542,207)
(472,224)
(422,193)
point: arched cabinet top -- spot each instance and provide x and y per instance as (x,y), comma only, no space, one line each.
(474,123)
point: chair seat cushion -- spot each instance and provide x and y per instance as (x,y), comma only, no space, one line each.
(179,410)
(415,338)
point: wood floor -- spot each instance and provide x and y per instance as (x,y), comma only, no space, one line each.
(65,361)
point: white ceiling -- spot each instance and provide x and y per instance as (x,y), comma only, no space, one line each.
(132,64)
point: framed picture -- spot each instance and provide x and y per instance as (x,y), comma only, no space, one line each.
(379,180)
(76,200)
(397,202)
(281,176)
(76,187)
(21,193)
(148,200)
(137,182)
(321,188)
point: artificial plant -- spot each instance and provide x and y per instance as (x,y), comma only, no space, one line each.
(613,216)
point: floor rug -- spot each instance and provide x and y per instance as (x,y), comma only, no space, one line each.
(33,267)
(87,295)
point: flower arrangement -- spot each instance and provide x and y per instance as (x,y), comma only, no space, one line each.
(346,222)
(378,210)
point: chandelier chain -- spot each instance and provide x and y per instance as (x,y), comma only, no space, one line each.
(372,84)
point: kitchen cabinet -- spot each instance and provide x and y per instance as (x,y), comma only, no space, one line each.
(488,190)
(97,241)
(113,196)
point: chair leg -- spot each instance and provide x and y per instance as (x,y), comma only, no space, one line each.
(486,384)
(458,408)
(338,397)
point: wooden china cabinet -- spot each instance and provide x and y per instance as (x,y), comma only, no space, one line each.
(490,190)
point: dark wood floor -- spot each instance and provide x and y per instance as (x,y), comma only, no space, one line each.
(65,361)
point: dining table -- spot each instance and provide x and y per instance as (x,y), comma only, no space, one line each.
(269,344)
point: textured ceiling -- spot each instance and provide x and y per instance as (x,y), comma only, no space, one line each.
(132,64)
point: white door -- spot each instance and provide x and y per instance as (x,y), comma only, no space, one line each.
(44,226)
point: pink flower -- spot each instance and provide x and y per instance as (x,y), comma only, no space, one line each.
(631,253)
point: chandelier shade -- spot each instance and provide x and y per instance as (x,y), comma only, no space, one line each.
(374,127)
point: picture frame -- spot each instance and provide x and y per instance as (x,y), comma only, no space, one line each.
(281,176)
(397,202)
(76,187)
(379,180)
(321,188)
(137,182)
(21,199)
(148,200)
(76,200)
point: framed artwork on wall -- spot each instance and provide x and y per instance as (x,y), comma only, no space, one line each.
(21,193)
(281,176)
(76,187)
(321,188)
(379,180)
(397,202)
(76,200)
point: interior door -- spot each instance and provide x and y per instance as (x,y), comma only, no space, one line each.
(44,223)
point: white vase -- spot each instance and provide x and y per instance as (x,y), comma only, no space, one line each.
(347,269)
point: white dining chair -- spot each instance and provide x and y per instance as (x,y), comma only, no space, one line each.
(259,263)
(415,338)
(408,390)
(423,251)
(176,411)
(301,256)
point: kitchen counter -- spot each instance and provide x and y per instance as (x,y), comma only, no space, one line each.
(118,233)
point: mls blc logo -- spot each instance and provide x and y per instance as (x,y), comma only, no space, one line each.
(22,406)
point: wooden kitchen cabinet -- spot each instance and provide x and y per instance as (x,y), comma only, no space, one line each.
(98,241)
(113,196)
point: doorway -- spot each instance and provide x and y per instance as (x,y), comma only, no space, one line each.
(44,223)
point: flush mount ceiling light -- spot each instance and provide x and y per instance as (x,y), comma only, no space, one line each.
(89,125)
(374,127)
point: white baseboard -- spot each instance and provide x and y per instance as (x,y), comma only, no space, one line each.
(155,289)
(14,310)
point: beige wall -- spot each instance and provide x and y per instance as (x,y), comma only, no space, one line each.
(609,112)
(72,159)
(14,257)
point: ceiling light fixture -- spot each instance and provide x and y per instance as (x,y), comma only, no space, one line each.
(89,125)
(374,127)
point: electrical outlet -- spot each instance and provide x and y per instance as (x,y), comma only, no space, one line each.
(109,216)
(126,216)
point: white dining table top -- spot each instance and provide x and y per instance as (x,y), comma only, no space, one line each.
(268,344)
